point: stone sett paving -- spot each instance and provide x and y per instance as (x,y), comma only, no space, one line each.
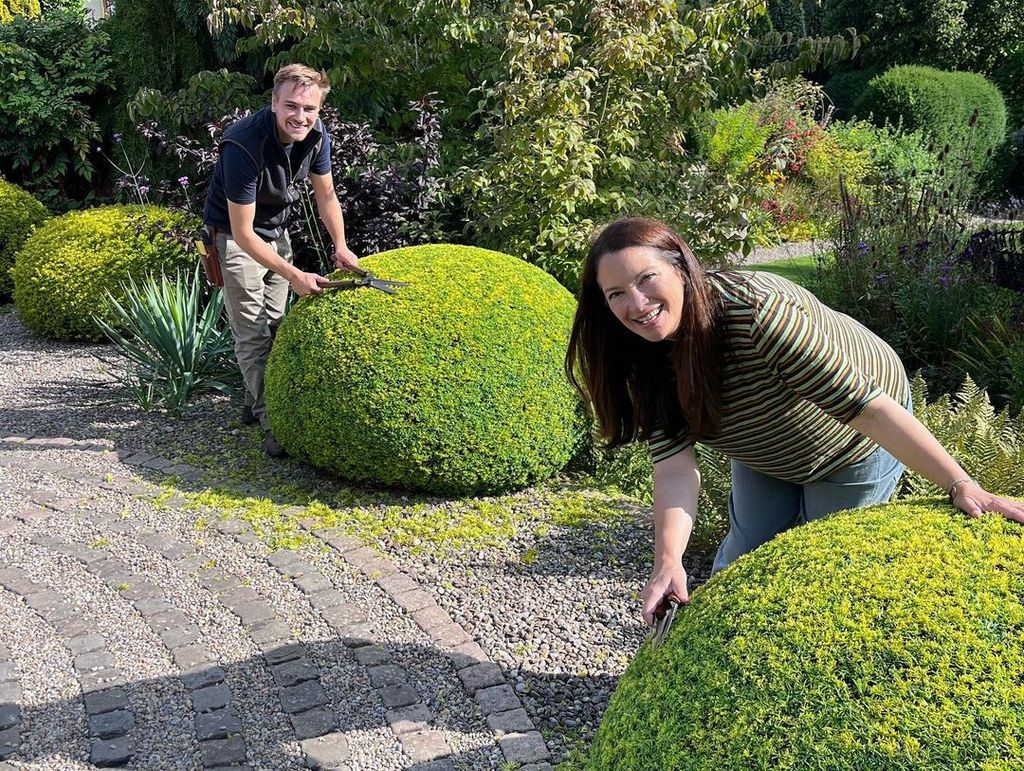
(132,639)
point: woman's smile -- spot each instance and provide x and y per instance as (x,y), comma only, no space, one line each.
(644,291)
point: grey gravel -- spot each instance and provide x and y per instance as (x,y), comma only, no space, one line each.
(559,626)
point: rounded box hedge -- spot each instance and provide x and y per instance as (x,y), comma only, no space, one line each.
(454,385)
(19,214)
(62,273)
(940,104)
(884,638)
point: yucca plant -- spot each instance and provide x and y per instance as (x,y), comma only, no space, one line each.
(174,345)
(988,444)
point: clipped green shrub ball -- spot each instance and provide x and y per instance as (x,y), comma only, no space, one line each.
(19,214)
(453,386)
(65,268)
(885,638)
(940,104)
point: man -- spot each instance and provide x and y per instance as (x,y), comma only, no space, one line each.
(251,195)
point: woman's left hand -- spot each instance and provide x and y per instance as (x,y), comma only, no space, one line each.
(974,501)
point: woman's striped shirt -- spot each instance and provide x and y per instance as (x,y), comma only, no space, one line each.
(794,373)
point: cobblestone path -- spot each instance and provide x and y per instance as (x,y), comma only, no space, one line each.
(136,633)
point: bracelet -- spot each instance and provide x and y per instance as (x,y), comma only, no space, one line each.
(952,490)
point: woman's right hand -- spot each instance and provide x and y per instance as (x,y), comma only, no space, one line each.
(667,579)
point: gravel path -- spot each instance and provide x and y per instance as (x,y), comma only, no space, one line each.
(785,251)
(145,627)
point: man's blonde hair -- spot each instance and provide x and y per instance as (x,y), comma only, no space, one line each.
(301,75)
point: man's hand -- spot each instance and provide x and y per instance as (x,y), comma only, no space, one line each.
(345,259)
(303,283)
(665,580)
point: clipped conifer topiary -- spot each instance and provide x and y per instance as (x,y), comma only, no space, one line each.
(885,638)
(64,270)
(453,386)
(19,214)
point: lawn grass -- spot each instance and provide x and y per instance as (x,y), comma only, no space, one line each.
(796,269)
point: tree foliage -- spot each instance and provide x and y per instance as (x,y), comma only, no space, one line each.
(972,35)
(11,8)
(55,72)
(580,107)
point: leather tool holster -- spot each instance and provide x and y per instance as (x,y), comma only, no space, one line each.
(207,247)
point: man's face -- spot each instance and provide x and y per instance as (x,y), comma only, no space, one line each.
(295,108)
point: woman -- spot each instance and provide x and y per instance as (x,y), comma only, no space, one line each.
(807,403)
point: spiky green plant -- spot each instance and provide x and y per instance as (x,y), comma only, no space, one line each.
(988,444)
(174,346)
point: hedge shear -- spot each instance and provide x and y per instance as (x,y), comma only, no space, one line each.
(366,278)
(664,615)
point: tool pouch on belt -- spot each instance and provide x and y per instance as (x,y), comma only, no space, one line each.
(208,251)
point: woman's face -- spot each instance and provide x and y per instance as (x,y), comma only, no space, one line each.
(643,290)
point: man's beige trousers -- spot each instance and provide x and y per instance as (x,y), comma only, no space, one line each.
(255,300)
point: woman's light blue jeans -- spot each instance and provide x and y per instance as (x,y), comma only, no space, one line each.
(761,507)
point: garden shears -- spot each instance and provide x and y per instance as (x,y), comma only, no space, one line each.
(664,615)
(366,278)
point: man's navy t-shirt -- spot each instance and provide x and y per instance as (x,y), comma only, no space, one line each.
(254,167)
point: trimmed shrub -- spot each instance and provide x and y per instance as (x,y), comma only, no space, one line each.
(66,268)
(454,386)
(19,214)
(884,638)
(940,105)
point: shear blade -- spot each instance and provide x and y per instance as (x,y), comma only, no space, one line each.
(664,616)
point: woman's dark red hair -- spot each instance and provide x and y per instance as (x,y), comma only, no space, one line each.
(635,386)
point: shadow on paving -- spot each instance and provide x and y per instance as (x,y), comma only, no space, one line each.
(372,687)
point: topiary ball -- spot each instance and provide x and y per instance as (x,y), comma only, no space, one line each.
(884,638)
(455,385)
(64,270)
(19,214)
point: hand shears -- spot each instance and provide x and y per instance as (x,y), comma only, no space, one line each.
(366,278)
(664,615)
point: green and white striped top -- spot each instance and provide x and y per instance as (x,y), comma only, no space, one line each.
(794,373)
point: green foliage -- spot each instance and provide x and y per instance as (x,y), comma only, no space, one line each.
(884,638)
(380,55)
(174,345)
(587,125)
(68,269)
(846,88)
(157,44)
(897,268)
(971,35)
(455,385)
(959,109)
(207,96)
(896,157)
(733,139)
(20,213)
(798,18)
(563,115)
(1010,79)
(11,8)
(989,445)
(54,72)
